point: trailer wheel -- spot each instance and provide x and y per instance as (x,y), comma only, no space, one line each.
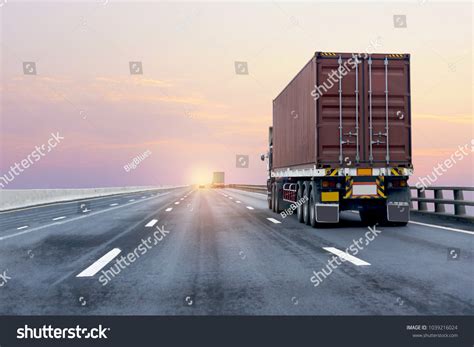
(372,216)
(368,217)
(312,207)
(276,201)
(397,224)
(305,206)
(269,198)
(273,197)
(299,196)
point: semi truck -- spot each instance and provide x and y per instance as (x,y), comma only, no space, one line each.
(341,140)
(218,179)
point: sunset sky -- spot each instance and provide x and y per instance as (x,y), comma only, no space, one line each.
(189,108)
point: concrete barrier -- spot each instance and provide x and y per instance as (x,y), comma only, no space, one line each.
(11,199)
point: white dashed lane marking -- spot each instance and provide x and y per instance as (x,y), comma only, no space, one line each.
(273,220)
(23,227)
(345,256)
(59,218)
(168,209)
(176,203)
(100,263)
(237,201)
(113,204)
(250,207)
(151,223)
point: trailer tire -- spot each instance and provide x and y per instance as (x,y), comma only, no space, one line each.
(269,199)
(305,206)
(299,196)
(397,224)
(373,216)
(276,201)
(312,207)
(273,197)
(368,217)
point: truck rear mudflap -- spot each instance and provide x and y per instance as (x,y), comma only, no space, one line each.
(398,212)
(327,213)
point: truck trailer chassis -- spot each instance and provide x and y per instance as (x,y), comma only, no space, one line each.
(383,198)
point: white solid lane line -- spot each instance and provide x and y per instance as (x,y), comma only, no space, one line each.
(113,204)
(151,223)
(441,227)
(345,256)
(250,207)
(273,220)
(438,226)
(58,218)
(23,227)
(100,263)
(168,209)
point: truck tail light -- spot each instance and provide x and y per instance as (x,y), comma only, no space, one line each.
(397,184)
(329,184)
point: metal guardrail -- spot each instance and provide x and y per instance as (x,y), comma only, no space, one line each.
(422,201)
(249,187)
(440,202)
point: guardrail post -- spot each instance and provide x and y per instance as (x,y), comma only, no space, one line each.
(422,206)
(459,210)
(439,208)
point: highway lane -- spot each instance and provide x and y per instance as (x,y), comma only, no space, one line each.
(223,252)
(29,217)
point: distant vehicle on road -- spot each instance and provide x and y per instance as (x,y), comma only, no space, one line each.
(218,179)
(341,140)
(202,186)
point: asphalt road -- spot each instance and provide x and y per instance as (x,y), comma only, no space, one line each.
(216,252)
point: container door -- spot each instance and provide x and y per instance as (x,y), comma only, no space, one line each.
(339,97)
(387,111)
